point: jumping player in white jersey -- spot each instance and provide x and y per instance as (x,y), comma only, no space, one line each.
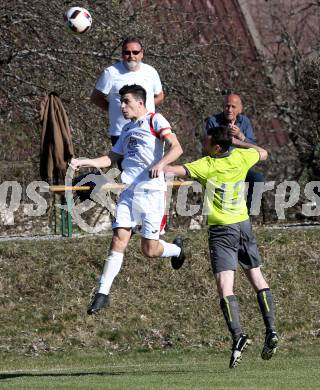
(141,145)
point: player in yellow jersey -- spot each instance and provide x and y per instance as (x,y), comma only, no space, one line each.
(231,240)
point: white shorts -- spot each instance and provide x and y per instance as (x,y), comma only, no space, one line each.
(145,208)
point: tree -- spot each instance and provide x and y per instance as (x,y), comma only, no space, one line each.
(199,55)
(38,55)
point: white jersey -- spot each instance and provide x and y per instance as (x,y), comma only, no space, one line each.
(113,78)
(142,145)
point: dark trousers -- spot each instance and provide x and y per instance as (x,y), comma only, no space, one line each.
(114,139)
(252,177)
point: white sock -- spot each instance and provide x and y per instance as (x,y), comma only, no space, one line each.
(170,250)
(111,268)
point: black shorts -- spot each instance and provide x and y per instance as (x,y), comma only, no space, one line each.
(233,244)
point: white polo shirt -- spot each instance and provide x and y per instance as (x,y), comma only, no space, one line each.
(113,78)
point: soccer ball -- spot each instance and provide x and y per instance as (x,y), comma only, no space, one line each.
(78,20)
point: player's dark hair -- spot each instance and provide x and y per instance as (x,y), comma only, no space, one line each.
(221,136)
(137,91)
(131,39)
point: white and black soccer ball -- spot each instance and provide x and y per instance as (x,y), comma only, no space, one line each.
(78,19)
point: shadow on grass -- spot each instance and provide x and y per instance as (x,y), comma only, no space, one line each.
(15,375)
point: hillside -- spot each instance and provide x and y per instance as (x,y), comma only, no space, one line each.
(45,287)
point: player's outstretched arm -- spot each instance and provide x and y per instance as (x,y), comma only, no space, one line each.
(100,162)
(176,170)
(245,145)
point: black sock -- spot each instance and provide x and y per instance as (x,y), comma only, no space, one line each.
(266,307)
(230,310)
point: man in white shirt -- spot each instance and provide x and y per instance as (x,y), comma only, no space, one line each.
(141,145)
(131,70)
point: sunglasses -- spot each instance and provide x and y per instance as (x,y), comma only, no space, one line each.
(128,52)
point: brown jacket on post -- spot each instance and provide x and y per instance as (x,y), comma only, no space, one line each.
(56,141)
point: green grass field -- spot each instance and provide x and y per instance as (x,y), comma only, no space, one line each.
(164,329)
(171,370)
